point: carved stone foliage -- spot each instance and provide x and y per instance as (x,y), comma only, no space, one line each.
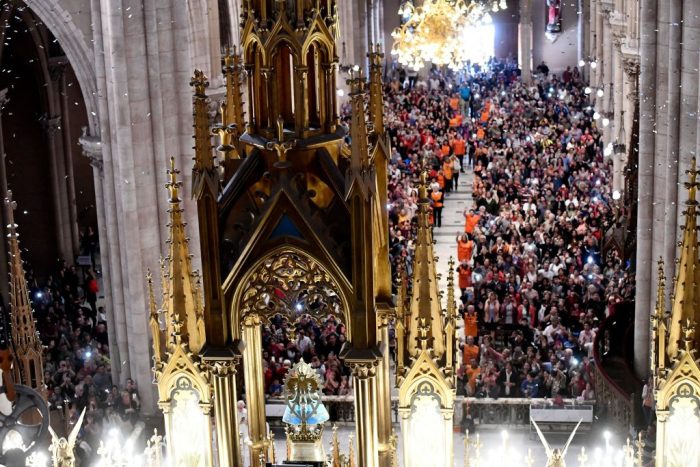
(293,285)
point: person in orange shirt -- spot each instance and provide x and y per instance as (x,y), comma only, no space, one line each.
(447,172)
(470,220)
(441,180)
(454,103)
(437,197)
(471,322)
(480,133)
(465,247)
(473,371)
(459,148)
(464,274)
(470,350)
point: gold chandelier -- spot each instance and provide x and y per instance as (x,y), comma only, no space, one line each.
(434,31)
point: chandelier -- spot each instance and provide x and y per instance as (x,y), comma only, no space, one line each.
(434,31)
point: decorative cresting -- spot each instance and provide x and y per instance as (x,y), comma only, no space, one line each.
(426,384)
(290,57)
(304,414)
(184,381)
(291,283)
(674,364)
(27,349)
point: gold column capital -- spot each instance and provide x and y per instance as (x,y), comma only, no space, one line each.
(363,369)
(251,319)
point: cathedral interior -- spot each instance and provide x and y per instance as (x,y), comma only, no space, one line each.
(371,233)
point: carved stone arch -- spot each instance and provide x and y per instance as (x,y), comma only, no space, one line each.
(291,282)
(79,54)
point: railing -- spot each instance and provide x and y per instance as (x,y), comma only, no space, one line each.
(610,348)
(483,411)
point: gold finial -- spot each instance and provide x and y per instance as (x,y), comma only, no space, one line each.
(351,451)
(639,444)
(200,83)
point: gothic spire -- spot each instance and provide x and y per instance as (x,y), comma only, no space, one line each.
(376,97)
(359,154)
(686,293)
(182,306)
(29,367)
(425,300)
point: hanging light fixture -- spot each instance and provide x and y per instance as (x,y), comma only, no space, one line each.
(434,31)
(619,146)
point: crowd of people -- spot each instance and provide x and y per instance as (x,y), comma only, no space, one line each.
(77,364)
(535,282)
(319,344)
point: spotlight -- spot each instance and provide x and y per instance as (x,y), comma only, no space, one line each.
(39,295)
(581,62)
(299,307)
(600,92)
(594,65)
(616,195)
(588,90)
(606,121)
(340,92)
(596,115)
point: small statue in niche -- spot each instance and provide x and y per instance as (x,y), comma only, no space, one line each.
(553,16)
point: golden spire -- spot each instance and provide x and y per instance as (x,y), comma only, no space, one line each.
(450,312)
(686,293)
(425,300)
(182,306)
(232,124)
(202,143)
(359,159)
(29,366)
(376,97)
(658,323)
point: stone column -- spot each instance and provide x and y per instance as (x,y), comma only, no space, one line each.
(580,32)
(593,45)
(58,69)
(644,265)
(689,125)
(116,324)
(254,388)
(52,127)
(365,391)
(599,19)
(616,123)
(525,40)
(670,234)
(607,75)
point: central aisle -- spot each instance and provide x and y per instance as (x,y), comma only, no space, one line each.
(452,225)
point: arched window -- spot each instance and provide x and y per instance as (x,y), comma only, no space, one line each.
(312,62)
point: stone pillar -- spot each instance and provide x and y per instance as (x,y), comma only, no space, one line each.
(688,114)
(365,391)
(52,127)
(670,234)
(616,123)
(525,40)
(593,45)
(254,388)
(607,76)
(644,264)
(58,70)
(226,412)
(580,32)
(599,18)
(116,324)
